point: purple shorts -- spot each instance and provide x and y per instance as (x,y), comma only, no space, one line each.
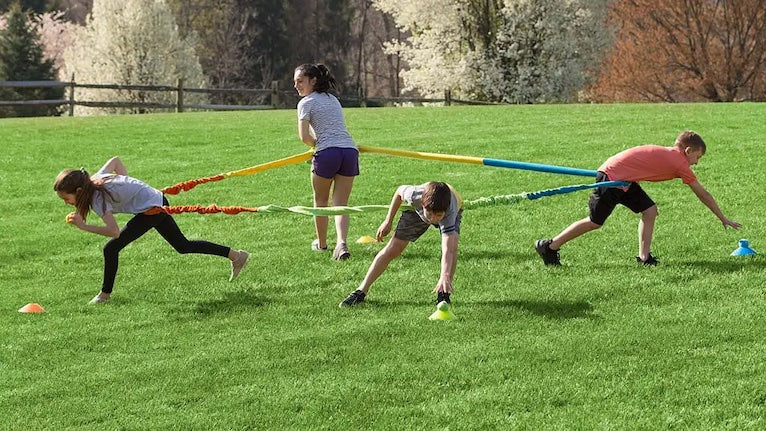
(336,161)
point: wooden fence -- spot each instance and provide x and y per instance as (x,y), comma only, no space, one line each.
(277,98)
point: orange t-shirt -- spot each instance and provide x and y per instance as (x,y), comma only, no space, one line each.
(648,163)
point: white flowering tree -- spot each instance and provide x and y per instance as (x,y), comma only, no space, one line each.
(515,51)
(443,42)
(132,42)
(546,50)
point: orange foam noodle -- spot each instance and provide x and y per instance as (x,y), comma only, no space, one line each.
(188,185)
(32,308)
(210,209)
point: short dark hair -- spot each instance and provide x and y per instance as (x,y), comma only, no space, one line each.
(436,197)
(688,138)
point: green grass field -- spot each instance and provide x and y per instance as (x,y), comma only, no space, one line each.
(599,343)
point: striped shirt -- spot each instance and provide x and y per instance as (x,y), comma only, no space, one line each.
(325,115)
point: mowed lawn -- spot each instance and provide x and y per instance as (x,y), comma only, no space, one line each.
(599,343)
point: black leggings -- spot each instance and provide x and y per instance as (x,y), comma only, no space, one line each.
(167,227)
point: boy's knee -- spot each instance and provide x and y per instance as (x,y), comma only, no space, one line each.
(392,252)
(651,212)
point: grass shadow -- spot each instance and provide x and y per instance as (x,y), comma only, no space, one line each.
(549,309)
(497,254)
(231,302)
(728,266)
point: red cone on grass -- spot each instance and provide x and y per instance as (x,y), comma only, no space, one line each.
(32,307)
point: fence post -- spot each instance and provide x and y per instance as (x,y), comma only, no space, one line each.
(447,97)
(180,96)
(275,94)
(361,97)
(71,97)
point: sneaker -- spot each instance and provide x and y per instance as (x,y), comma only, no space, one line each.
(354,298)
(98,299)
(442,297)
(315,246)
(550,256)
(341,252)
(238,264)
(650,261)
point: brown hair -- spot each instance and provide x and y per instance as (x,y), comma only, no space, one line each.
(436,197)
(325,81)
(78,183)
(691,139)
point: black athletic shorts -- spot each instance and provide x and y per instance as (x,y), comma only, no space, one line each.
(604,199)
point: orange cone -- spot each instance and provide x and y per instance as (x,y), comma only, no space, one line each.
(32,307)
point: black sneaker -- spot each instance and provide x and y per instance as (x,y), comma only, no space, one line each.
(543,248)
(442,296)
(354,298)
(650,261)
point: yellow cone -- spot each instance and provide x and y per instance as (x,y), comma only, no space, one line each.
(32,308)
(443,312)
(366,239)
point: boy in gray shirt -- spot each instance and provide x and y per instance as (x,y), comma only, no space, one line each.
(433,204)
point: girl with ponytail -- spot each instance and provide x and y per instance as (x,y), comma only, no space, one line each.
(110,191)
(336,156)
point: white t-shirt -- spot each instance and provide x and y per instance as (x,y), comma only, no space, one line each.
(325,115)
(128,195)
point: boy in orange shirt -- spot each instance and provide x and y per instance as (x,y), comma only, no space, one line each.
(643,163)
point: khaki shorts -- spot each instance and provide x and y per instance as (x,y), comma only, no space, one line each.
(410,226)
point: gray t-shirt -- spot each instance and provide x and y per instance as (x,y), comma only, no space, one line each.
(325,115)
(413,195)
(128,195)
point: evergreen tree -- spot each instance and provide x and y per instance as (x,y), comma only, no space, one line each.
(266,41)
(35,6)
(21,59)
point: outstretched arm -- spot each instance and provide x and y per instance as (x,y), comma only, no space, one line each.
(707,199)
(385,227)
(115,165)
(449,262)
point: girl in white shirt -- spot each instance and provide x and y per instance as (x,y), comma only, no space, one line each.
(111,191)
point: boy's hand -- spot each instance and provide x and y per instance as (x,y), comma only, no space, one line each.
(730,223)
(383,230)
(443,285)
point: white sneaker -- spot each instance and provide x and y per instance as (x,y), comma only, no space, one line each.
(98,300)
(238,264)
(315,246)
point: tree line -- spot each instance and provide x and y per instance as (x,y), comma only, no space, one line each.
(511,51)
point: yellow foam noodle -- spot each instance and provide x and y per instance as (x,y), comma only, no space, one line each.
(426,156)
(302,157)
